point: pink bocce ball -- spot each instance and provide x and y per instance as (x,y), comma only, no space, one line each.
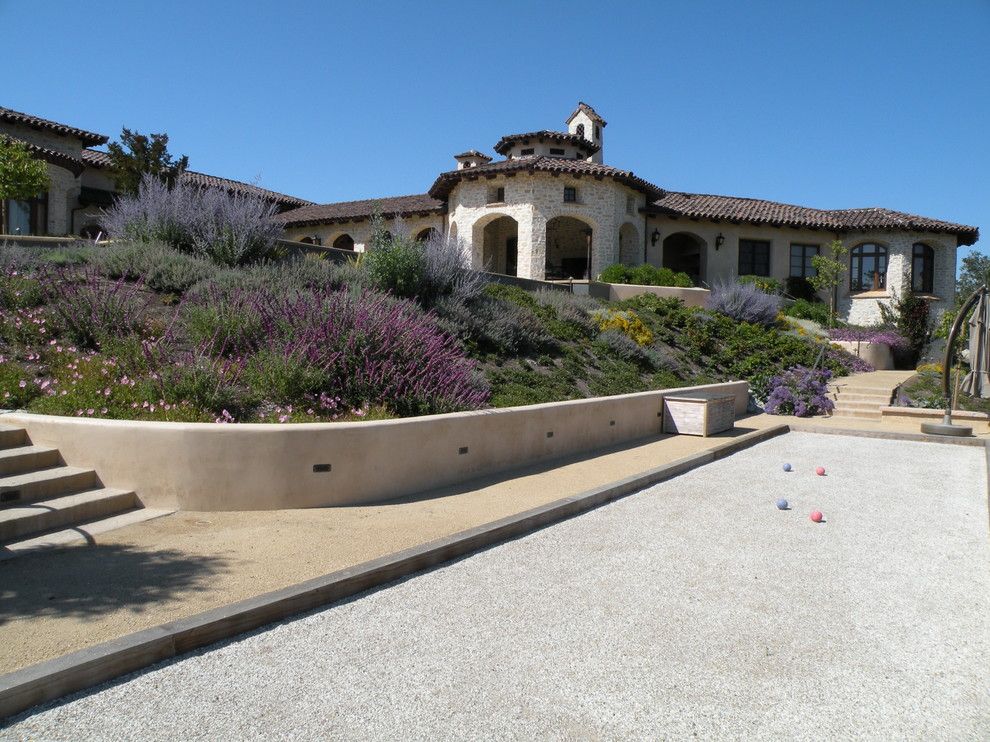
(820,471)
(817,516)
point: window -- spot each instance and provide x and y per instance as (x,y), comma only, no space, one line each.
(496,195)
(630,205)
(868,267)
(754,257)
(801,256)
(922,269)
(556,151)
(579,130)
(26,217)
(527,151)
(598,132)
(570,195)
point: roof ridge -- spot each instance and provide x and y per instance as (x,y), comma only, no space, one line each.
(29,119)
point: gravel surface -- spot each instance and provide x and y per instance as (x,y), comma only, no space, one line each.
(693,608)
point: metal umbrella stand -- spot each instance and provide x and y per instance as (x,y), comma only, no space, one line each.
(979,358)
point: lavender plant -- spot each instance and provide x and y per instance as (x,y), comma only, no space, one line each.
(801,392)
(890,338)
(744,303)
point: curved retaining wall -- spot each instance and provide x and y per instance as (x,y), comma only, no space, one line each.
(205,466)
(693,297)
(877,355)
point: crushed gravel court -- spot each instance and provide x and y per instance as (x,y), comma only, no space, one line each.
(695,607)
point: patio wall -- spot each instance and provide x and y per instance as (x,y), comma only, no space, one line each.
(693,297)
(204,466)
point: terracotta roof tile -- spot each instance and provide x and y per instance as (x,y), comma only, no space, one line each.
(36,122)
(559,137)
(98,159)
(393,206)
(473,153)
(757,211)
(592,113)
(70,163)
(446,181)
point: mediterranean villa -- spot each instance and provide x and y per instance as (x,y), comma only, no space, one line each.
(551,208)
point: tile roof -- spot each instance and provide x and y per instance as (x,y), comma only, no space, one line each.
(757,211)
(445,183)
(473,153)
(592,113)
(36,122)
(560,137)
(95,158)
(70,163)
(345,211)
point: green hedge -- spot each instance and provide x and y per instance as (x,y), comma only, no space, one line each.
(645,275)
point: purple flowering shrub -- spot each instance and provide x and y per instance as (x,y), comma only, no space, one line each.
(891,338)
(801,392)
(744,302)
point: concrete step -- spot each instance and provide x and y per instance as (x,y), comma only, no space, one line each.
(857,414)
(46,484)
(881,399)
(80,534)
(857,406)
(846,389)
(48,515)
(22,459)
(11,435)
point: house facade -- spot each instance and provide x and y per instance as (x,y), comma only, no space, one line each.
(550,208)
(80,186)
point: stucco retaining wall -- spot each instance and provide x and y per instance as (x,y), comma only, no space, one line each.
(620,291)
(877,355)
(204,466)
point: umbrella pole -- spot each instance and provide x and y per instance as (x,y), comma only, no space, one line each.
(946,427)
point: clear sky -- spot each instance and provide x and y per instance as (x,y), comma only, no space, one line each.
(836,104)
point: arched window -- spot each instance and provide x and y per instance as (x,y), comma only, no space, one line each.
(426,234)
(307,240)
(344,242)
(580,130)
(922,269)
(868,267)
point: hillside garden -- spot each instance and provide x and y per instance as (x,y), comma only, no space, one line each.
(195,312)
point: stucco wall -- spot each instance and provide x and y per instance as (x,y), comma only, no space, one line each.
(203,466)
(621,291)
(859,309)
(360,231)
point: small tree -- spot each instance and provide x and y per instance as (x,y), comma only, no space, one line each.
(21,175)
(136,155)
(975,272)
(828,274)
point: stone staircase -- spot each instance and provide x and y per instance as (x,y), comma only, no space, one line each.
(44,503)
(862,395)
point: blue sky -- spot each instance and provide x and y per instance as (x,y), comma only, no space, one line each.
(829,104)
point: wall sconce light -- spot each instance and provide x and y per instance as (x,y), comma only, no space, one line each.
(655,236)
(719,241)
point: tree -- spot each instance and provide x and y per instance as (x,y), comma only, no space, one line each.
(828,274)
(136,155)
(21,175)
(975,272)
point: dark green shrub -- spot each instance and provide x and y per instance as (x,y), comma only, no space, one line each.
(909,314)
(17,385)
(283,379)
(764,283)
(223,325)
(645,275)
(162,268)
(396,265)
(800,288)
(814,311)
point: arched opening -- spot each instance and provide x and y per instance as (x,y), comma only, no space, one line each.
(630,250)
(569,246)
(868,267)
(453,231)
(499,241)
(344,242)
(684,252)
(307,241)
(427,234)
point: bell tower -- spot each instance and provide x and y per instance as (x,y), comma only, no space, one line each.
(586,122)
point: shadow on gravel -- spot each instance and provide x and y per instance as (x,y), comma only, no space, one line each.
(88,581)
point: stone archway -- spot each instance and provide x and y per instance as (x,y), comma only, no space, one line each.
(496,244)
(630,248)
(427,234)
(686,253)
(344,242)
(569,250)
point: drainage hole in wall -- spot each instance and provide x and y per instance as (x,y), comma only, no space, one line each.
(319,468)
(10,495)
(462,450)
(549,434)
(611,422)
